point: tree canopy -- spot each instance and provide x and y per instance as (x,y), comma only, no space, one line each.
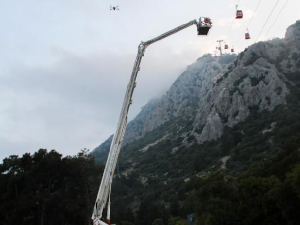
(46,188)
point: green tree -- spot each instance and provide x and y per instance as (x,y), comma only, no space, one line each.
(158,222)
(45,188)
(174,220)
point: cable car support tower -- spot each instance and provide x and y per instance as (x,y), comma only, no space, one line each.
(203,27)
(220,47)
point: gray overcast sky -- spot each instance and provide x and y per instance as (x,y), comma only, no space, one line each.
(65,65)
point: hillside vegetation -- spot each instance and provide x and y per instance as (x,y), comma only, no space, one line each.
(223,143)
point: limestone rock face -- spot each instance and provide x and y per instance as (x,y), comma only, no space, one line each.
(292,36)
(241,88)
(136,127)
(181,100)
(215,92)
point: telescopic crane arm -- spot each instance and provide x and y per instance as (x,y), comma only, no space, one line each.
(105,186)
(177,29)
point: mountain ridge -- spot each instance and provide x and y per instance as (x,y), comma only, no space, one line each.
(209,86)
(176,101)
(215,94)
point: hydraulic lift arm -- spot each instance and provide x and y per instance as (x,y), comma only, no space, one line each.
(105,186)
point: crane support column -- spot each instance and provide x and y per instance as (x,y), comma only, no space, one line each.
(105,186)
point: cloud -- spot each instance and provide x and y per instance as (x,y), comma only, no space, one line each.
(66,106)
(224,22)
(75,102)
(236,23)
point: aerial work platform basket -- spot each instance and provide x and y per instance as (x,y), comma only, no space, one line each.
(204,25)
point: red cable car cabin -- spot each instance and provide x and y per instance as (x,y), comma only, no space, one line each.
(247,36)
(226,47)
(204,26)
(239,14)
(232,50)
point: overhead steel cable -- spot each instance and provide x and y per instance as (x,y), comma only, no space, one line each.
(238,40)
(277,17)
(249,21)
(267,20)
(230,27)
(254,13)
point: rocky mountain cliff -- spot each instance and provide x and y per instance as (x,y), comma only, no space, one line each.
(182,99)
(217,92)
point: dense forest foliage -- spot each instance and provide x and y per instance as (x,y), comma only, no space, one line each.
(268,192)
(46,188)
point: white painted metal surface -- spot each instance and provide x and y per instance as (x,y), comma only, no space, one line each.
(105,186)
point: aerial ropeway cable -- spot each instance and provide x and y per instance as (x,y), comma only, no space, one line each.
(247,36)
(277,17)
(253,14)
(247,28)
(267,20)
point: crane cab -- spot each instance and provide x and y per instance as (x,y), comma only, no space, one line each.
(226,46)
(239,14)
(247,36)
(204,25)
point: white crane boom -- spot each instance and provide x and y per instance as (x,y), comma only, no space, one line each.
(105,186)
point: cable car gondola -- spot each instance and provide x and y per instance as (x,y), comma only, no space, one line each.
(247,35)
(204,25)
(239,13)
(232,50)
(226,46)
